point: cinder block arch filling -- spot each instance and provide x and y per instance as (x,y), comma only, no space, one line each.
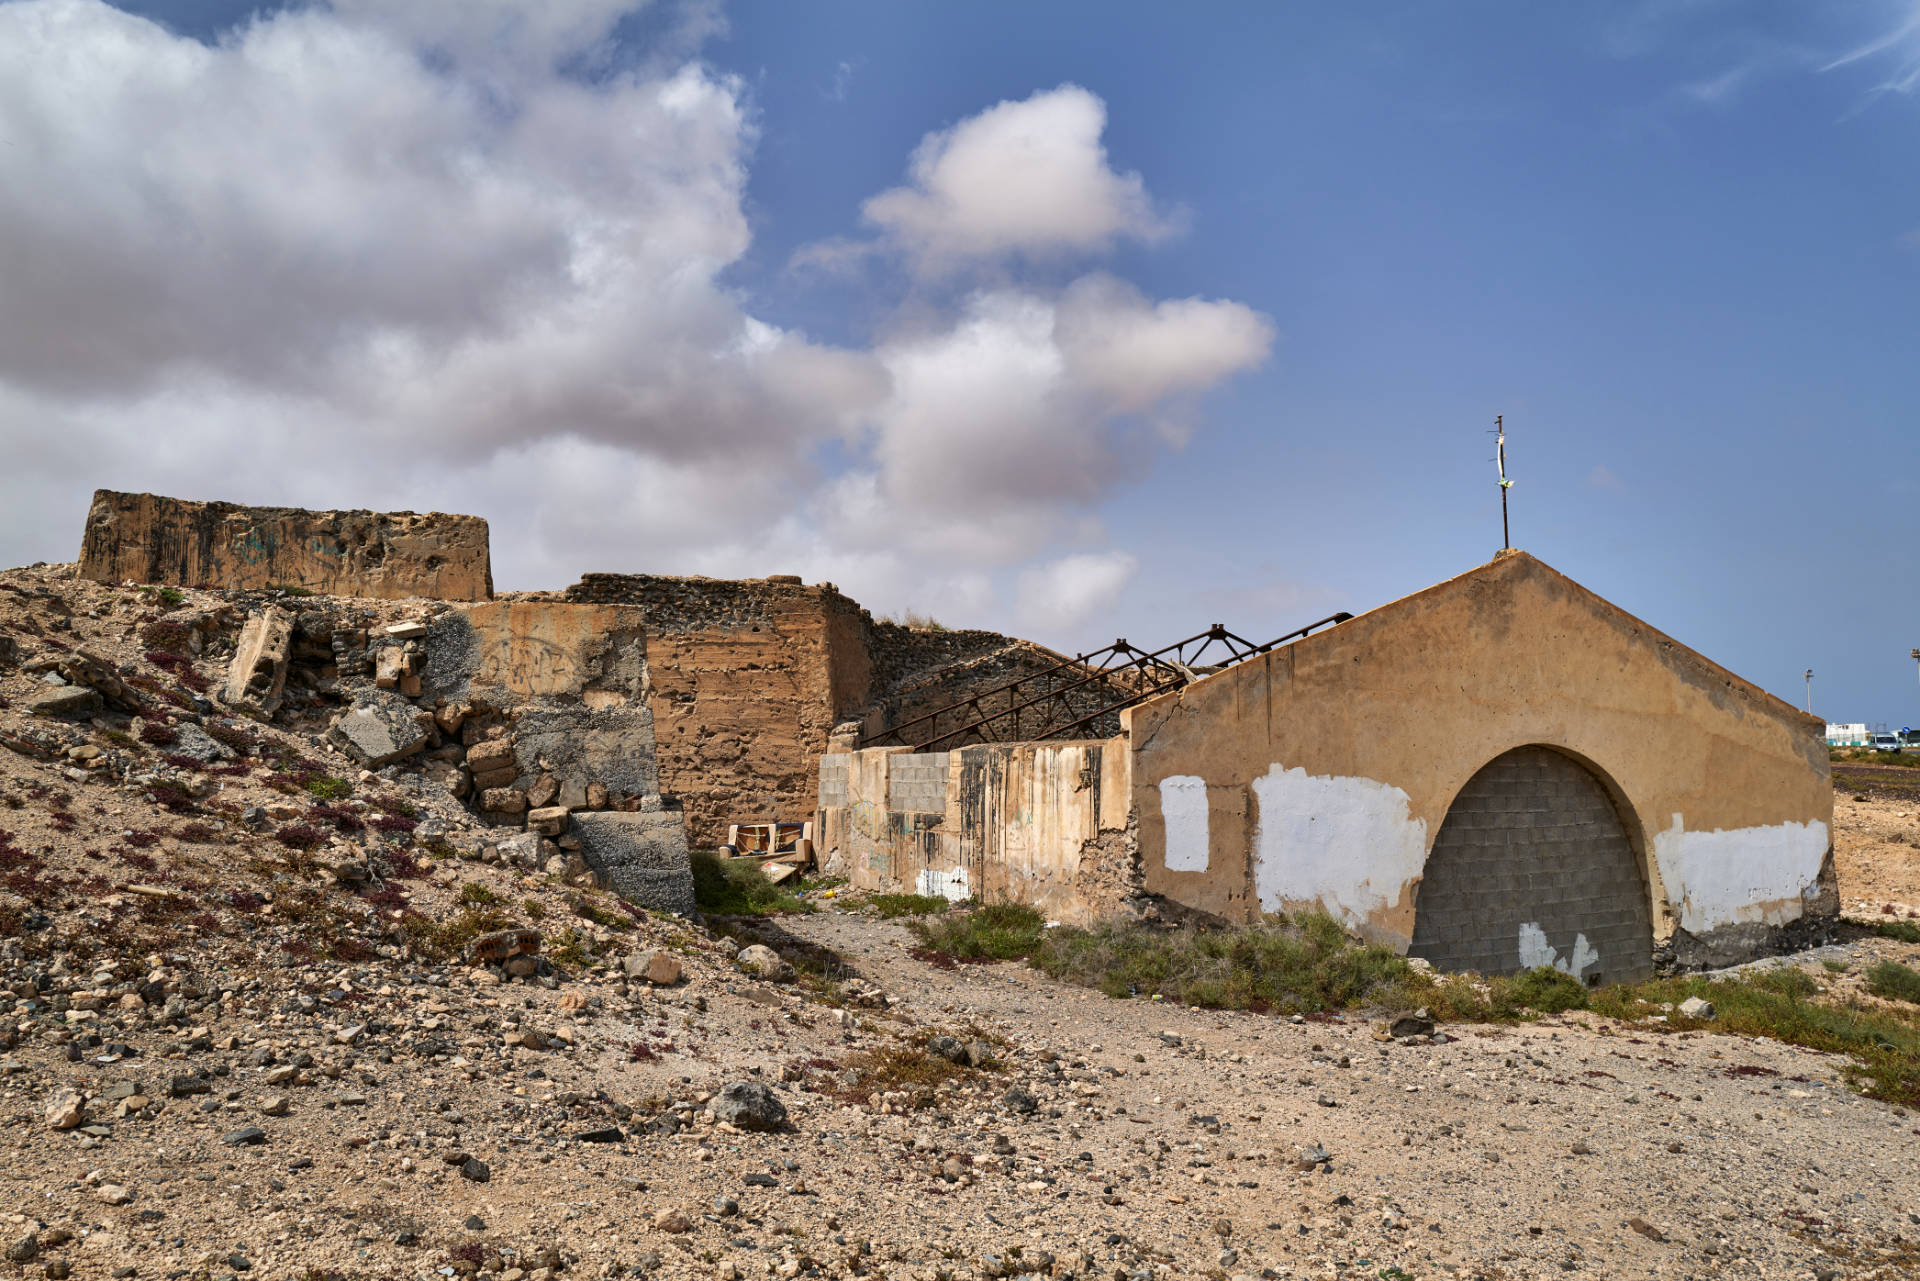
(1532,867)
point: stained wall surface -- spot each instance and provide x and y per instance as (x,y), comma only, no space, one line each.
(145,538)
(1039,823)
(1319,775)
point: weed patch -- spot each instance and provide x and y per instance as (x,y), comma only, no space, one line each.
(1895,982)
(995,932)
(889,906)
(737,887)
(1301,966)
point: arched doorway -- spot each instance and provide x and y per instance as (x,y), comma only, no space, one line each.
(1533,866)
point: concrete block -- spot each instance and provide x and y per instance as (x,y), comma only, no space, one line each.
(641,856)
(380,730)
(258,674)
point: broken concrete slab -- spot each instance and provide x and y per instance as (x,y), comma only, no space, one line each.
(258,674)
(379,730)
(642,856)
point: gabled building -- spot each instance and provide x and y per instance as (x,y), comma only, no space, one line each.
(1499,772)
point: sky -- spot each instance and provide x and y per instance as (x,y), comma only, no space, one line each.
(1075,320)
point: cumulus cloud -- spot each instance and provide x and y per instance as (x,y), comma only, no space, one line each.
(1064,592)
(469,256)
(1027,177)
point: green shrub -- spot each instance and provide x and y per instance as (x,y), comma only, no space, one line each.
(737,887)
(1904,931)
(889,906)
(1307,965)
(1894,981)
(996,932)
(171,596)
(1542,989)
(473,892)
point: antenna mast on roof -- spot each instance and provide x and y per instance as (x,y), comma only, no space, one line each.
(1500,432)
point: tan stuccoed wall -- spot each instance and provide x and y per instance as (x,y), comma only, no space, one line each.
(1358,738)
(1039,823)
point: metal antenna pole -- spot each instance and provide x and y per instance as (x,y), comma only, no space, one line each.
(1809,691)
(1500,431)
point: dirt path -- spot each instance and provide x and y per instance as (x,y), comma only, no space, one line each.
(1525,1152)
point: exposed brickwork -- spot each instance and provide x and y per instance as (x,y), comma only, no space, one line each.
(1533,840)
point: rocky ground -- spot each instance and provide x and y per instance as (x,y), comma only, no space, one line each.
(232,1050)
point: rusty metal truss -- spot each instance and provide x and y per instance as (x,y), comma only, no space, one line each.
(1073,695)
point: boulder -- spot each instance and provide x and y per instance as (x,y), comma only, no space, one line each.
(548,821)
(762,961)
(74,702)
(503,800)
(191,740)
(656,968)
(380,730)
(491,754)
(65,1109)
(1695,1007)
(749,1105)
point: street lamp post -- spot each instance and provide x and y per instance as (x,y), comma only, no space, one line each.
(1810,688)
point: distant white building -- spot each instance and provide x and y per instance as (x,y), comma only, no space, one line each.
(1854,735)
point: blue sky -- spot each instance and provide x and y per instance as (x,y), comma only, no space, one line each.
(1676,244)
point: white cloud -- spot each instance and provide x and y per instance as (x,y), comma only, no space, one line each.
(408,256)
(1027,177)
(1065,592)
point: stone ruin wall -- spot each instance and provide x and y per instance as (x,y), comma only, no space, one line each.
(148,539)
(748,679)
(739,683)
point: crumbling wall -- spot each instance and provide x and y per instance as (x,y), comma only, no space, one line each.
(1046,824)
(145,538)
(746,681)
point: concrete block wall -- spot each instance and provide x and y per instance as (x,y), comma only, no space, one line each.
(833,780)
(1533,865)
(917,783)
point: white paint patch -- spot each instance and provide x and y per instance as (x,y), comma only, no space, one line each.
(1747,874)
(1536,950)
(1349,844)
(1183,807)
(949,883)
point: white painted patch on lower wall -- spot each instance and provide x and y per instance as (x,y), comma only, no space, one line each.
(1537,950)
(1349,844)
(1743,875)
(947,883)
(1183,808)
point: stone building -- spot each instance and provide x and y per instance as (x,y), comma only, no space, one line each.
(1501,771)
